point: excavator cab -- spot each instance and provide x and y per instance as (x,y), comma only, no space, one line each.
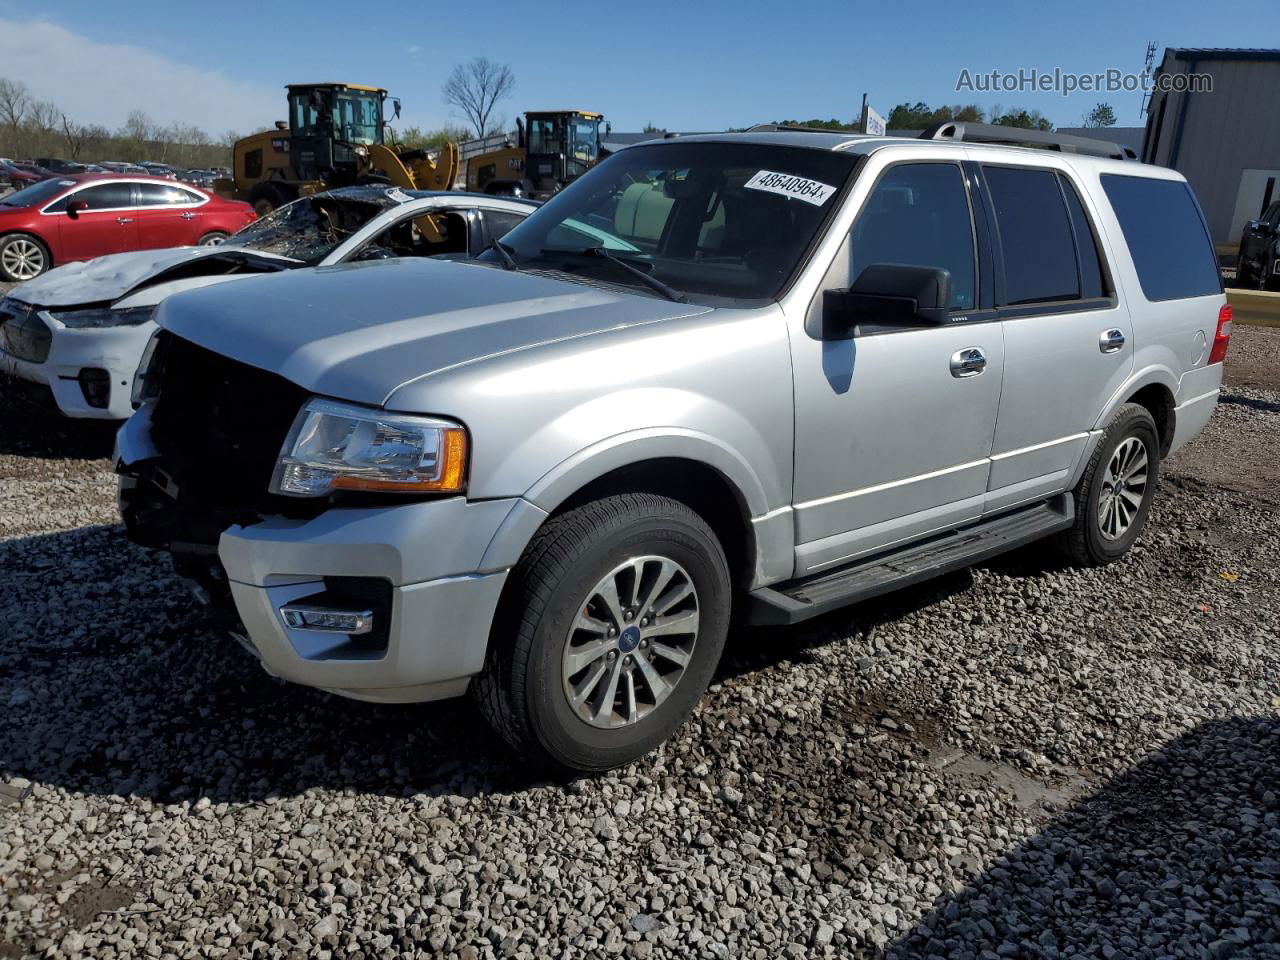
(331,128)
(560,147)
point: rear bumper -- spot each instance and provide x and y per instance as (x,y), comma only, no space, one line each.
(116,350)
(1197,398)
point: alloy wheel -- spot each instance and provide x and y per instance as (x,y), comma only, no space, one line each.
(1123,487)
(631,642)
(22,259)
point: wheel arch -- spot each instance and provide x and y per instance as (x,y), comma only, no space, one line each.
(694,469)
(1154,388)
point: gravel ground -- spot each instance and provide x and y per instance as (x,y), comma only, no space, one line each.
(1021,760)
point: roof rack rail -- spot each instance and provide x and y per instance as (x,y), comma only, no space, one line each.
(966,132)
(788,128)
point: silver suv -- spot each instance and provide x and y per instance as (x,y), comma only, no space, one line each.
(754,376)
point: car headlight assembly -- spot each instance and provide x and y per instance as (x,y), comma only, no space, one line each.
(335,447)
(104,317)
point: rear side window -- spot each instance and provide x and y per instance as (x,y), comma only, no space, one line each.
(161,194)
(918,214)
(1166,235)
(1092,284)
(1035,235)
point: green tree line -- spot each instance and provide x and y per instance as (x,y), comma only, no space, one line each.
(918,116)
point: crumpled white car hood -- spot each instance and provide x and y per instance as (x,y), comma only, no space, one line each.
(108,278)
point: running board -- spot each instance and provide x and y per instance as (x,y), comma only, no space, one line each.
(820,593)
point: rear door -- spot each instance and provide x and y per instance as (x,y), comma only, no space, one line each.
(109,225)
(169,215)
(1068,341)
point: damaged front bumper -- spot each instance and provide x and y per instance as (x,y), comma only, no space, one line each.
(428,575)
(87,373)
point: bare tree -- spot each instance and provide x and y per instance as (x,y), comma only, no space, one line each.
(74,136)
(475,88)
(15,100)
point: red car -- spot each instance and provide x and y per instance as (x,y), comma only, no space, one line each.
(87,215)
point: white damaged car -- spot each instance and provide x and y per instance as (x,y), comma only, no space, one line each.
(72,339)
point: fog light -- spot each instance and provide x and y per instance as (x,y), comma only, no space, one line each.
(327,619)
(95,384)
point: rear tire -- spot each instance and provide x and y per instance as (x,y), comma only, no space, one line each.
(23,257)
(603,565)
(267,196)
(1113,497)
(212,238)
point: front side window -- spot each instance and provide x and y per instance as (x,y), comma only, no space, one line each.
(424,235)
(918,214)
(1035,235)
(1166,236)
(500,222)
(715,221)
(106,196)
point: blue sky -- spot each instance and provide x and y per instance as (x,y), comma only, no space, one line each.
(681,65)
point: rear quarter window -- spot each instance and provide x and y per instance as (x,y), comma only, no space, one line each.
(1166,235)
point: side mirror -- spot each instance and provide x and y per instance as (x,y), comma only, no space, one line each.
(77,207)
(888,293)
(395,105)
(375,252)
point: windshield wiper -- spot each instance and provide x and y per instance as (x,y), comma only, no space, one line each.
(508,261)
(653,283)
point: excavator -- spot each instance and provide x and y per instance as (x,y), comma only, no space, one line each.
(335,137)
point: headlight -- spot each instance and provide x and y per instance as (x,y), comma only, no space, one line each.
(104,317)
(338,446)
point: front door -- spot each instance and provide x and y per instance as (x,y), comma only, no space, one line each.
(893,427)
(1068,341)
(108,225)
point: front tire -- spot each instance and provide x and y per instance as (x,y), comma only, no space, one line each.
(1113,498)
(23,257)
(611,628)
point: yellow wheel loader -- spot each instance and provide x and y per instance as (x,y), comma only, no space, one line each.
(335,137)
(553,148)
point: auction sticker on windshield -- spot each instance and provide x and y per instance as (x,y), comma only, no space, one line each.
(398,195)
(810,191)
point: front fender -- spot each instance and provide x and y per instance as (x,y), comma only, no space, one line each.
(654,443)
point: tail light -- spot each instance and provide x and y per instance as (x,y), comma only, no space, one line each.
(1222,336)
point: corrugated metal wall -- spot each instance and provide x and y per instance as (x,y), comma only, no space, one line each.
(1212,137)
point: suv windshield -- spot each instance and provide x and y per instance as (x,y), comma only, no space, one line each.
(716,222)
(37,193)
(311,228)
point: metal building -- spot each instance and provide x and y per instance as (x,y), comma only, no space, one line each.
(1224,139)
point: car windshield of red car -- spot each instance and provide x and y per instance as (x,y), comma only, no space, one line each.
(37,193)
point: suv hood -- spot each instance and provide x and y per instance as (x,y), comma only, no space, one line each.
(111,277)
(359,331)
